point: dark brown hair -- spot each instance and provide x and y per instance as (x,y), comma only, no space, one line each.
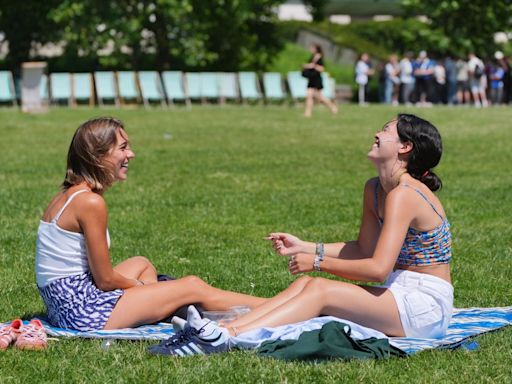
(426,150)
(91,142)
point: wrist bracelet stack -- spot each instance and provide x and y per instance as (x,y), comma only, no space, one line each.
(319,256)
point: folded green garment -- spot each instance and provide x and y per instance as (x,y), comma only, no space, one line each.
(332,341)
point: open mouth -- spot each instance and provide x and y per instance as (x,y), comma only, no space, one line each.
(124,165)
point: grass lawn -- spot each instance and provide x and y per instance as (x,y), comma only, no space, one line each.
(205,187)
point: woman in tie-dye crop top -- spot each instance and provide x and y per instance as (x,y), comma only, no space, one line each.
(404,240)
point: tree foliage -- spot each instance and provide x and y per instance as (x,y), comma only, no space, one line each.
(467,25)
(163,34)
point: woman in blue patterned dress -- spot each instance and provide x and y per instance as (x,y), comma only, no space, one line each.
(81,288)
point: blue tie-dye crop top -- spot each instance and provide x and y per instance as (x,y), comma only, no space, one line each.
(423,248)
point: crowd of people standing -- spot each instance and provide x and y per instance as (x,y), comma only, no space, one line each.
(445,80)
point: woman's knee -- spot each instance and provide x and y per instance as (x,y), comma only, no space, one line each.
(316,286)
(194,281)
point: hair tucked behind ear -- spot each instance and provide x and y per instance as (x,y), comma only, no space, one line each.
(427,148)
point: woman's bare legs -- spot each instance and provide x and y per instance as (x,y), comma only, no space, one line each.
(150,303)
(369,306)
(322,99)
(309,102)
(271,304)
(139,268)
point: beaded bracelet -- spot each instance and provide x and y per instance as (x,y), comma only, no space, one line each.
(319,256)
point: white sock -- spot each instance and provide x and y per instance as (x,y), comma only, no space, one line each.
(211,329)
(178,323)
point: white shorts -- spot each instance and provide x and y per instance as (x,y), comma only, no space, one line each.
(425,303)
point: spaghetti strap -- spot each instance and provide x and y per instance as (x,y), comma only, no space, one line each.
(57,216)
(376,197)
(425,198)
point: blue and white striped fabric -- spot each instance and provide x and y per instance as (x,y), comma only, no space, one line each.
(466,323)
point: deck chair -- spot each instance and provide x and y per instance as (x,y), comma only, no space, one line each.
(209,85)
(82,88)
(329,86)
(60,88)
(228,86)
(273,86)
(174,86)
(7,90)
(151,88)
(106,87)
(249,86)
(193,85)
(297,84)
(127,84)
(43,90)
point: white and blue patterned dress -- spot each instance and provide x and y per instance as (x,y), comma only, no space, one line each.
(65,283)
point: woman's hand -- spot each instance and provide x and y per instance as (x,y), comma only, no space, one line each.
(285,244)
(300,263)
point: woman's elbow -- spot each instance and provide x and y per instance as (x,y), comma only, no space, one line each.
(105,283)
(379,274)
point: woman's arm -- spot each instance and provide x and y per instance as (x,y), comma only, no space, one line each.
(92,217)
(287,245)
(399,213)
(377,265)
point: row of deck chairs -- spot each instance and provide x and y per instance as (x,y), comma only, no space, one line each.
(167,87)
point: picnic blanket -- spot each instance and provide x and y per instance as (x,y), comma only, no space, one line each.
(466,324)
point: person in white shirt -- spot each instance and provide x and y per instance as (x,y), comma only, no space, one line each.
(407,77)
(476,69)
(363,71)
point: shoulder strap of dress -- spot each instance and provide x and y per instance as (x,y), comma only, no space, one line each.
(57,216)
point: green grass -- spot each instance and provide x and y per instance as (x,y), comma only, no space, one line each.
(207,184)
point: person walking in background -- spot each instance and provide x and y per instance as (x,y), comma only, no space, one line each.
(363,70)
(406,78)
(392,82)
(313,72)
(476,70)
(463,91)
(423,71)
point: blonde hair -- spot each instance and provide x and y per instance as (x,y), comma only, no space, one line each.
(91,142)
